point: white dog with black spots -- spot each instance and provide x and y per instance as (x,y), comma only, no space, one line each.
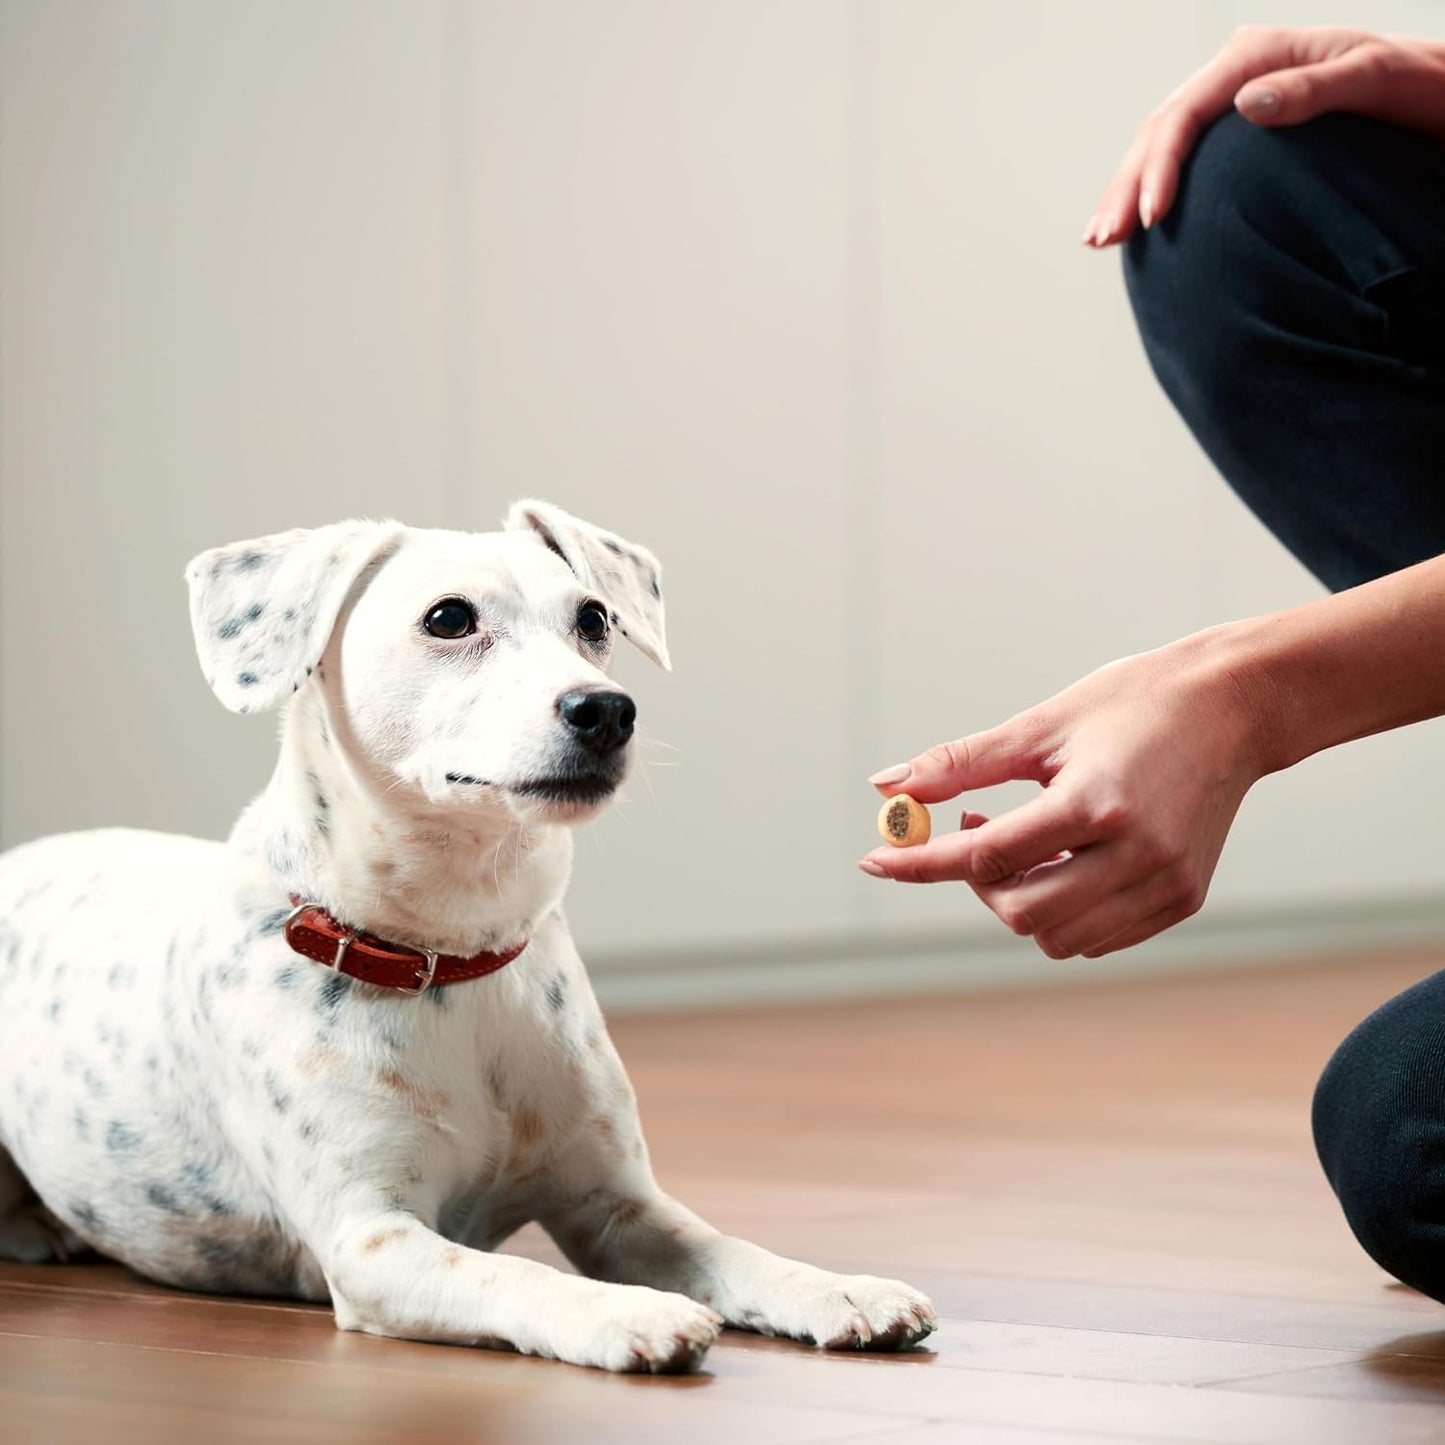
(183,1091)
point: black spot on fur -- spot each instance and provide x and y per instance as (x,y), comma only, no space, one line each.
(612,546)
(321,820)
(653,586)
(288,977)
(200,1180)
(333,991)
(249,561)
(271,922)
(84,1214)
(234,626)
(121,1138)
(557,994)
(280,1099)
(246,679)
(162,1198)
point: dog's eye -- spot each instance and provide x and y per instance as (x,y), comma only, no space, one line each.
(450,619)
(592,621)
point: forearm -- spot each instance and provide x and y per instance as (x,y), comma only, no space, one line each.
(1346,666)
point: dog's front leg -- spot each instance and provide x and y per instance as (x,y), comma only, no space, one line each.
(641,1236)
(391,1275)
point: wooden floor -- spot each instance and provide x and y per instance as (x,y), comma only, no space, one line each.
(1109,1192)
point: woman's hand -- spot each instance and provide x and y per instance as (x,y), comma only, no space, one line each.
(1272,77)
(1143,764)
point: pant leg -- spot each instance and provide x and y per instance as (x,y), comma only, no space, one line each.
(1379,1122)
(1292,305)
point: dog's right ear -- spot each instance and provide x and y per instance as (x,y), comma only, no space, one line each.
(263,611)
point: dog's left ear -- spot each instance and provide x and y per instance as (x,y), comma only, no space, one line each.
(263,611)
(625,576)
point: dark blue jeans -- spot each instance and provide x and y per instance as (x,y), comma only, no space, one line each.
(1293,307)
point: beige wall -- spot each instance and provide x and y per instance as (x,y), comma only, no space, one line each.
(791,292)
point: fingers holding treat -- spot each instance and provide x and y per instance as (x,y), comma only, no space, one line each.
(988,851)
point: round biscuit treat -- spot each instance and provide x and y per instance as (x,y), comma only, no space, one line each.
(903,821)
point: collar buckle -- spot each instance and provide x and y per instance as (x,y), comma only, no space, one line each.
(426,971)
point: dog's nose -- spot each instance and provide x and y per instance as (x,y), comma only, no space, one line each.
(600,721)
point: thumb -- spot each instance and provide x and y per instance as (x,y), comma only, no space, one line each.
(1000,755)
(1352,81)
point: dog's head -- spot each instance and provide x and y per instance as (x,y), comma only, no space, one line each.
(469,666)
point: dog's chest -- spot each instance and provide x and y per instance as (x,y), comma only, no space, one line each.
(463,1093)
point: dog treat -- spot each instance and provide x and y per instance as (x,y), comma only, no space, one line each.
(903,821)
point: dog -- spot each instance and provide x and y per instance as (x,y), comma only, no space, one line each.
(347,1053)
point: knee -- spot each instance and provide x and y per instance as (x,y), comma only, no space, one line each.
(1379,1125)
(1249,218)
(1178,272)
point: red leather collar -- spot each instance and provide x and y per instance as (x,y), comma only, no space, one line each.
(315,934)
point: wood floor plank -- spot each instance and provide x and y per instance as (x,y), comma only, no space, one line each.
(62,1390)
(1162,1414)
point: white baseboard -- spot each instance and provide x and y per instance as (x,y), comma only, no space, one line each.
(874,965)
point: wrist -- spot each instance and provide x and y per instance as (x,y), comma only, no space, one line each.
(1238,695)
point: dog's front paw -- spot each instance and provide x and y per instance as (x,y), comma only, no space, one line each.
(638,1330)
(853,1312)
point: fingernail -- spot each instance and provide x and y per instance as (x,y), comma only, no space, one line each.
(895,774)
(871,868)
(1262,100)
(1146,209)
(1102,233)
